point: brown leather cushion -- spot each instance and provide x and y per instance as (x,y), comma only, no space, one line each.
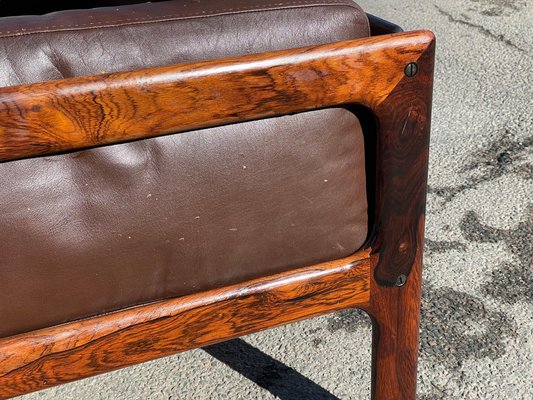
(99,230)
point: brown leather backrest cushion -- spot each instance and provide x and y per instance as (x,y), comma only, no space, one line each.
(111,39)
(99,230)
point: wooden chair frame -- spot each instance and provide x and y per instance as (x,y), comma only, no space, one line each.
(390,75)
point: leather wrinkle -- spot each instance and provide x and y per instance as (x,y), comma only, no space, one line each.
(94,231)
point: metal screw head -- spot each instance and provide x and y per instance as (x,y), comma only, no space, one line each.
(400,281)
(411,69)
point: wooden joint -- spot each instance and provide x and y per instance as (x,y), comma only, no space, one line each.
(403,120)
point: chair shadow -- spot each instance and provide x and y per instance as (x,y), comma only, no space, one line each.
(280,380)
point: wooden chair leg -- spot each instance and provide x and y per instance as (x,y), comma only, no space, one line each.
(395,312)
(403,153)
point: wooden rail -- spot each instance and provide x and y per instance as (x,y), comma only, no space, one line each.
(76,113)
(51,356)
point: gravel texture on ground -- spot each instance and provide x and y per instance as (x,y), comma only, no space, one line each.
(477,313)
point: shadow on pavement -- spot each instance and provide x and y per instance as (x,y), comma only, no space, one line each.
(282,381)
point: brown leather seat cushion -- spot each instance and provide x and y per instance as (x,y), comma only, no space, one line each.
(98,230)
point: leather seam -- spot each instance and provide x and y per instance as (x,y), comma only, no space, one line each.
(182,16)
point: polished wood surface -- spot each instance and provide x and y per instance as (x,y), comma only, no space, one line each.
(72,351)
(402,168)
(76,113)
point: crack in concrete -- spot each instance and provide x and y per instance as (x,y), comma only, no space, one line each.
(484,31)
(496,8)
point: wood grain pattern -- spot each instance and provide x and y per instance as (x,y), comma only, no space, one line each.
(68,352)
(398,241)
(395,313)
(77,113)
(402,159)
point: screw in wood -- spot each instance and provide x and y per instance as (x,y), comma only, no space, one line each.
(400,281)
(411,69)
